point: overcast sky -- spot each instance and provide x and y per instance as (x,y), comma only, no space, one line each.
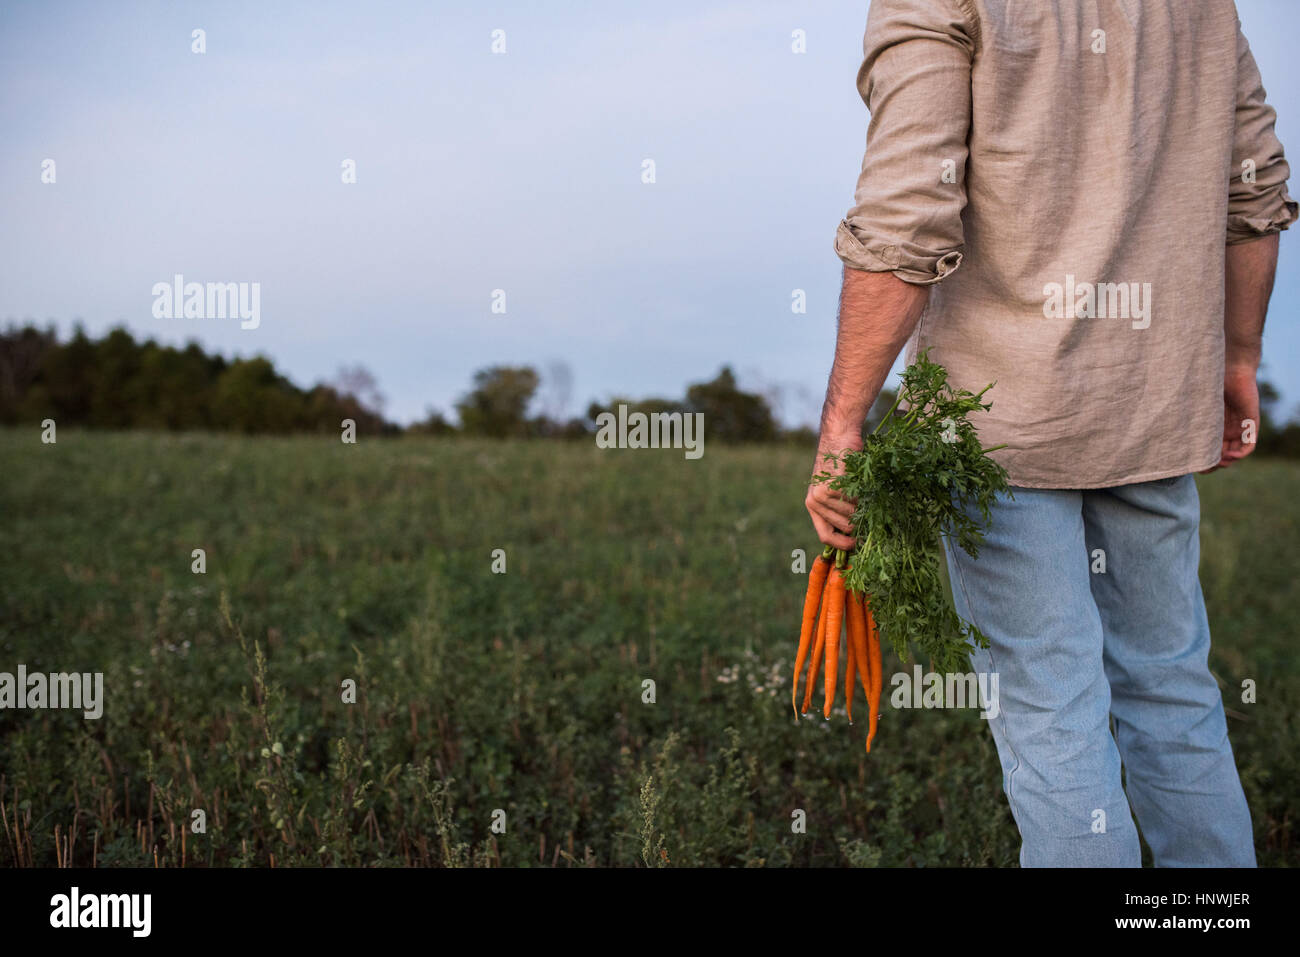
(475,172)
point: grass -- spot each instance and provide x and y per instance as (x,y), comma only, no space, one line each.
(504,719)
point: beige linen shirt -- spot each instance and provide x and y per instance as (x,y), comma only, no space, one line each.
(1067,174)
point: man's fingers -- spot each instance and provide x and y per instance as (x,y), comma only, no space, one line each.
(837,521)
(831,512)
(831,528)
(1234,450)
(827,534)
(830,500)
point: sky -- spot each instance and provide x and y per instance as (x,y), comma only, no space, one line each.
(476,171)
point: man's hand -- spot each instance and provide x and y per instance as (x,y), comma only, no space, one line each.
(831,513)
(1240,405)
(1248,270)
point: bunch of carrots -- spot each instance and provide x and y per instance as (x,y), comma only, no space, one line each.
(828,609)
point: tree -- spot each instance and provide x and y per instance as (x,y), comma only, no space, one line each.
(22,352)
(251,396)
(729,413)
(497,405)
(433,423)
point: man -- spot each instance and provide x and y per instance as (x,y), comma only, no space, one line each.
(1079,201)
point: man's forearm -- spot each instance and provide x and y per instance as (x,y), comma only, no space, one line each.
(878,312)
(1248,282)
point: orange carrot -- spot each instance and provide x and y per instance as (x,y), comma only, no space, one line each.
(857,641)
(858,633)
(815,661)
(850,659)
(834,623)
(811,602)
(877,677)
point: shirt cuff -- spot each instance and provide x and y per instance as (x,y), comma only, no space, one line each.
(909,263)
(1243,228)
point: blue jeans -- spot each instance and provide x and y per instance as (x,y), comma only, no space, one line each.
(1074,646)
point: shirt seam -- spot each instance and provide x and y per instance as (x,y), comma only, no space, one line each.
(972,16)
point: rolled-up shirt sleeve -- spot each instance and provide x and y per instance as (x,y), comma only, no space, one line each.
(915,80)
(1258,203)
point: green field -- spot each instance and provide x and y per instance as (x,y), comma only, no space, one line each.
(520,692)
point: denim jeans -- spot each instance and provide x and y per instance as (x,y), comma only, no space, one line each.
(1073,646)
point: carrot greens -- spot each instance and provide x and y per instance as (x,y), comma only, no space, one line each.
(920,477)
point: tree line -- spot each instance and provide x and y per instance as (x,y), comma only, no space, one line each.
(498,402)
(117,382)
